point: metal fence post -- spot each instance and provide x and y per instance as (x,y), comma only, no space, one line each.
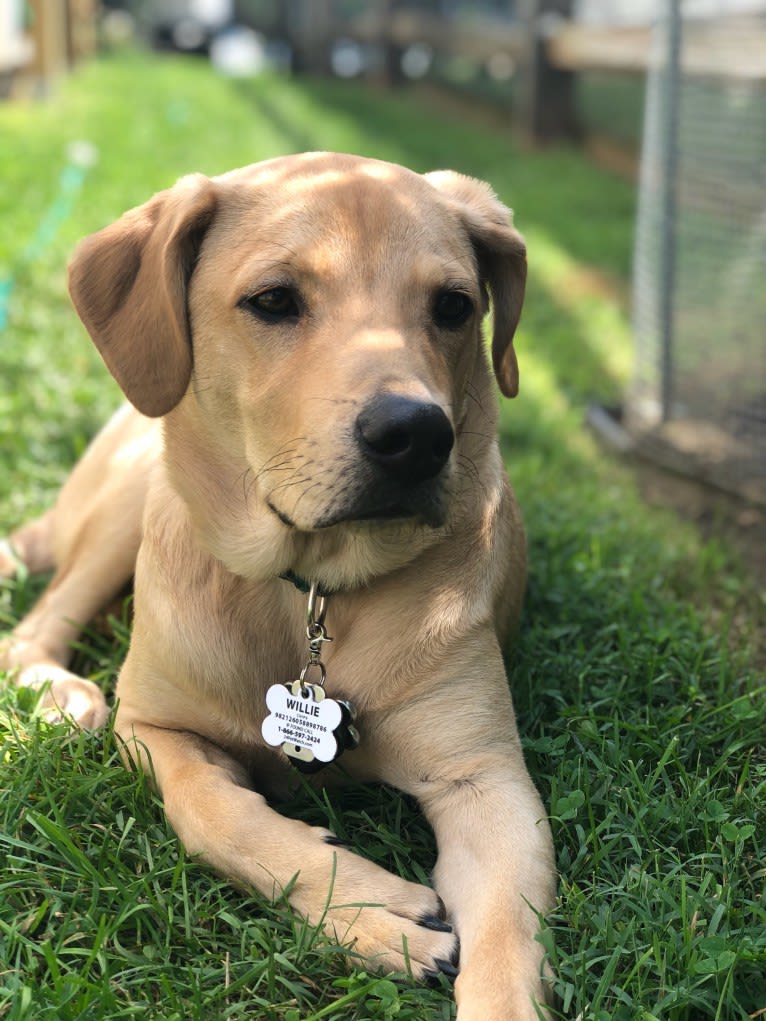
(670,204)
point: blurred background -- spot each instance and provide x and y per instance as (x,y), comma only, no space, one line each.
(668,95)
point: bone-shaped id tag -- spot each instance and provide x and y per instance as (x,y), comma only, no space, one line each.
(311,728)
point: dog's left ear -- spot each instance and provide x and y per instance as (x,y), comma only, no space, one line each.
(502,259)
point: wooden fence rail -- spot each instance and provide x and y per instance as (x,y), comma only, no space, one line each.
(730,47)
(544,46)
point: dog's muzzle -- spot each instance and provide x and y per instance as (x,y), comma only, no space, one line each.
(403,446)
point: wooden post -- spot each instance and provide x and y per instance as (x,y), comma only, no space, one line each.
(546,106)
(392,73)
(310,24)
(50,31)
(82,36)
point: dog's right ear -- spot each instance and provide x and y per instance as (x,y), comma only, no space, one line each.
(128,283)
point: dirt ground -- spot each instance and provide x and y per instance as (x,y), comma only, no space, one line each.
(686,485)
(714,512)
(717,514)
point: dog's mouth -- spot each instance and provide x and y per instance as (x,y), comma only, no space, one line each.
(284,518)
(429,512)
(384,514)
(432,516)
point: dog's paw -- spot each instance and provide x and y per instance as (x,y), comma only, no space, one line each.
(389,941)
(9,562)
(66,696)
(394,925)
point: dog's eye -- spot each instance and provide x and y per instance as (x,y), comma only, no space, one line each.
(274,305)
(452,309)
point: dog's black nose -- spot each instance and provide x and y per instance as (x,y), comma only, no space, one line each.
(410,439)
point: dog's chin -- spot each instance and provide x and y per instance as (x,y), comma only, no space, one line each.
(345,547)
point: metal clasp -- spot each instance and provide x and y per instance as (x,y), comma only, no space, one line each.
(317,606)
(316,632)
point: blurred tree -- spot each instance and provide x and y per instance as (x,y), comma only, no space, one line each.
(309,25)
(547,101)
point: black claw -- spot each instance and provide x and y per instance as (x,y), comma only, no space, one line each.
(432,922)
(442,912)
(446,968)
(335,841)
(432,978)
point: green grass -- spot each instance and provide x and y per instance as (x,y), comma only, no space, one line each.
(644,723)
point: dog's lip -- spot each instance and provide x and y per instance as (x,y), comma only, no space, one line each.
(280,514)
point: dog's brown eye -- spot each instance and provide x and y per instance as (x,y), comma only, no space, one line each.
(452,309)
(274,305)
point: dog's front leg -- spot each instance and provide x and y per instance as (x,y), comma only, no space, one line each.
(393,924)
(494,870)
(459,754)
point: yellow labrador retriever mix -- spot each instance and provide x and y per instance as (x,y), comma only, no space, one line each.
(300,341)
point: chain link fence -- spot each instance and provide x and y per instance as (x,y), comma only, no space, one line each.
(698,397)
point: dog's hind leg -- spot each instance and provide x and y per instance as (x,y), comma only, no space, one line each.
(30,546)
(91,538)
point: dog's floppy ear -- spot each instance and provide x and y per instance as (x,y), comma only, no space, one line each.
(502,259)
(128,283)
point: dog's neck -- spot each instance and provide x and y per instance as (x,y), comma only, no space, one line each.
(303,585)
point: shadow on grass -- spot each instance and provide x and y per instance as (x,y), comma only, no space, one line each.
(588,211)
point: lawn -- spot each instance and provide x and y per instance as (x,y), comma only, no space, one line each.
(643,718)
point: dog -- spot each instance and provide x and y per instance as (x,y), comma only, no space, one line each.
(311,406)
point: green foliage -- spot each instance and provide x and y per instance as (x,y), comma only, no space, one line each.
(643,722)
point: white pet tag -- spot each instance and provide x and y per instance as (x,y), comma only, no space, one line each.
(302,721)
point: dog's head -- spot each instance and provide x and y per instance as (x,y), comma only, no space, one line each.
(310,328)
